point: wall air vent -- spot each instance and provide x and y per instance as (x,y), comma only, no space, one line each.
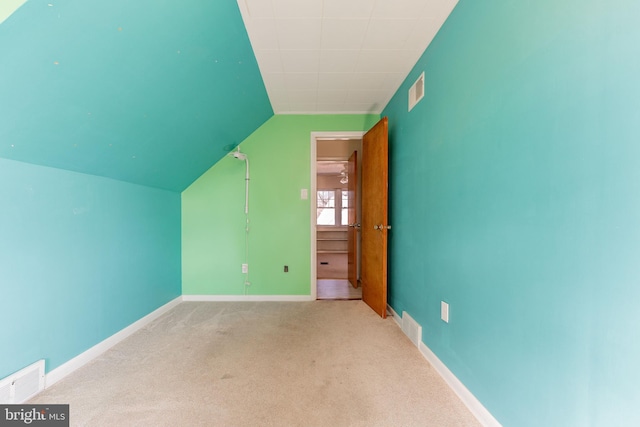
(22,385)
(416,92)
(412,329)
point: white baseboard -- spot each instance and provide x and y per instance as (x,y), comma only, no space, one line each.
(394,316)
(83,358)
(231,298)
(470,401)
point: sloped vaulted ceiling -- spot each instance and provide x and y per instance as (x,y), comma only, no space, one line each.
(147,91)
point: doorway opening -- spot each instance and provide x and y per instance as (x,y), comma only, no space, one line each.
(335,211)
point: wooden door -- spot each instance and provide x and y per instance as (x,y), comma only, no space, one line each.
(375,227)
(352,231)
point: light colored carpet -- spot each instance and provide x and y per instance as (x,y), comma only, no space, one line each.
(321,363)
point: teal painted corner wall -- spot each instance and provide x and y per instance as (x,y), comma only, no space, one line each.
(146,91)
(213,220)
(81,257)
(515,197)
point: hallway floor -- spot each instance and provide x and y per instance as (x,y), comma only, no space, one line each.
(337,289)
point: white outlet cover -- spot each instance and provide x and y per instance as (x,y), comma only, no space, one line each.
(304,194)
(444,311)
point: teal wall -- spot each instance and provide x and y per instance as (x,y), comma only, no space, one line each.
(81,257)
(213,236)
(515,197)
(146,91)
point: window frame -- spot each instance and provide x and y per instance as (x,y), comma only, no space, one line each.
(337,194)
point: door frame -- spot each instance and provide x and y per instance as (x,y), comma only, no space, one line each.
(315,136)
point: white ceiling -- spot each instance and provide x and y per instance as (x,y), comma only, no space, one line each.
(339,56)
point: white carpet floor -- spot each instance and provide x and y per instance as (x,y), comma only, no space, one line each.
(321,363)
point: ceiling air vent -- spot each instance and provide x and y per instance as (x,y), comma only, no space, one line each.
(416,92)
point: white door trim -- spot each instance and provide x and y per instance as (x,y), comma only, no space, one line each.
(312,195)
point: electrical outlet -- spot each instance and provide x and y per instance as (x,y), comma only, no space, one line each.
(444,311)
(245,268)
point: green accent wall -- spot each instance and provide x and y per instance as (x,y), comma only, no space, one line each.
(515,197)
(213,220)
(81,257)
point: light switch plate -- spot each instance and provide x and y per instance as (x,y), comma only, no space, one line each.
(304,194)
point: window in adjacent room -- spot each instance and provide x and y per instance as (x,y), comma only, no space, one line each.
(332,207)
